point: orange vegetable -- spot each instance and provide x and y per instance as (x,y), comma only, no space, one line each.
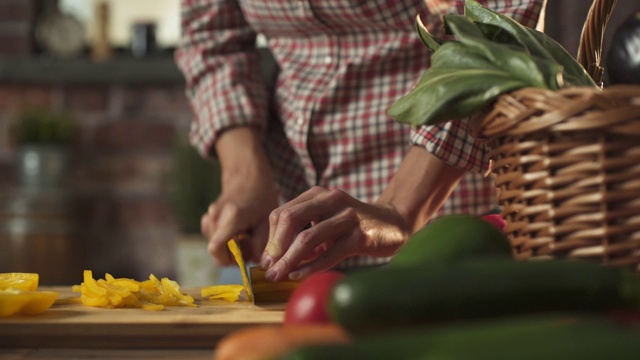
(269,342)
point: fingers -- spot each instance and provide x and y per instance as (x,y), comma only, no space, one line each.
(221,256)
(339,228)
(287,221)
(223,224)
(243,206)
(328,259)
(275,215)
(219,252)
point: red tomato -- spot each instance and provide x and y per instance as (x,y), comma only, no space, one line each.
(495,219)
(309,301)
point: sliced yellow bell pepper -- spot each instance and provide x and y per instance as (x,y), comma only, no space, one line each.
(96,301)
(15,301)
(12,302)
(110,292)
(17,280)
(230,297)
(229,293)
(128,284)
(237,254)
(91,287)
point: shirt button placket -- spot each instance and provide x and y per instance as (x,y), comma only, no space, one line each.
(301,7)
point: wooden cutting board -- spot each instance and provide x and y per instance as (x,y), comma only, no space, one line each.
(79,326)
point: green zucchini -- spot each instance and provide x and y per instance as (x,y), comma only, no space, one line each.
(453,237)
(389,297)
(523,338)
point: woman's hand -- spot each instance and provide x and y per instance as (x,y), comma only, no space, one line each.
(249,194)
(341,226)
(321,227)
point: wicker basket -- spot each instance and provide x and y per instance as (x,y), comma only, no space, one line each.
(567,163)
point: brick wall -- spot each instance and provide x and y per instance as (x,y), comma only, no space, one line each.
(121,162)
(122,165)
(121,159)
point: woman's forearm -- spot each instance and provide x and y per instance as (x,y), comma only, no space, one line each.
(420,187)
(242,155)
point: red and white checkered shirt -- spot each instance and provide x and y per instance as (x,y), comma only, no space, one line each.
(342,64)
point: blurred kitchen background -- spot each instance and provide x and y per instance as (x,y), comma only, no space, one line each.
(95,170)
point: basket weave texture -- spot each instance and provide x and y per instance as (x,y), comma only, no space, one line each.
(567,167)
(567,164)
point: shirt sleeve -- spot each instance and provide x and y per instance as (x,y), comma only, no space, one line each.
(218,58)
(451,141)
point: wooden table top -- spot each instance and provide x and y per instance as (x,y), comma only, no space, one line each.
(75,326)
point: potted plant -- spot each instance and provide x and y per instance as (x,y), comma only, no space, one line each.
(43,138)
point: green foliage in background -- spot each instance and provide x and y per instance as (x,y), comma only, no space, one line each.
(195,183)
(43,126)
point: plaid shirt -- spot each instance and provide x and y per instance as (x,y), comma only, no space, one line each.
(342,63)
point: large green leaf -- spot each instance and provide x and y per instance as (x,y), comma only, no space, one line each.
(491,56)
(431,42)
(443,95)
(455,55)
(575,74)
(476,12)
(459,56)
(503,29)
(515,61)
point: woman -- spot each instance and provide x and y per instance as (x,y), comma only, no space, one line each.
(342,63)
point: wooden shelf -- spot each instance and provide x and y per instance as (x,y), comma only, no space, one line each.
(127,70)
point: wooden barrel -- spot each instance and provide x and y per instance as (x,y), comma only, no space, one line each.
(38,234)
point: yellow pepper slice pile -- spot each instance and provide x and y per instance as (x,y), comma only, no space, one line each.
(18,295)
(110,292)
